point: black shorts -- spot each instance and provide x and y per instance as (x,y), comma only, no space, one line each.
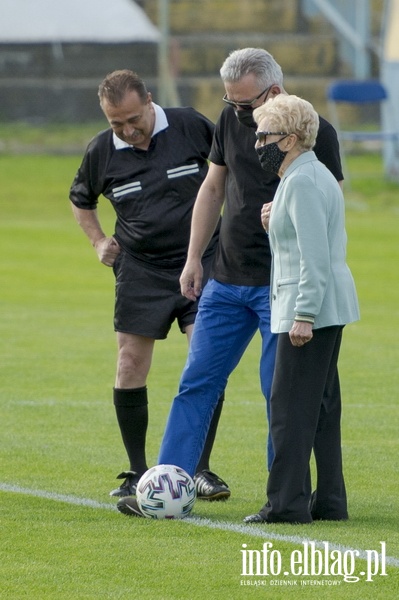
(148,298)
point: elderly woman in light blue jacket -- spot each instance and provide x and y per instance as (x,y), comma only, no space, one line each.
(313,296)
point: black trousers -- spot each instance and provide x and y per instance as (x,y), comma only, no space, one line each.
(305,415)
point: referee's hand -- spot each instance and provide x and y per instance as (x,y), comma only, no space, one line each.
(107,250)
(191,280)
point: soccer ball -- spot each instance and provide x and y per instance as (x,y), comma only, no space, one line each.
(165,492)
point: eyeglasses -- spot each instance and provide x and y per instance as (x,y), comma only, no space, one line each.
(245,105)
(261,136)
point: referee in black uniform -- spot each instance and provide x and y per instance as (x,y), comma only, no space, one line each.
(149,164)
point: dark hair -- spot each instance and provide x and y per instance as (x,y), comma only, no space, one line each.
(116,84)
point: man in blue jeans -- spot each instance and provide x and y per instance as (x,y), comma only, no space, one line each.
(235,302)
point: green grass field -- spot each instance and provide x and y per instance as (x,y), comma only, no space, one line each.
(61,536)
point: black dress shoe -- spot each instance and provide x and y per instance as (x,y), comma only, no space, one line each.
(263,516)
(256,518)
(259,517)
(324,514)
(129,506)
(317,517)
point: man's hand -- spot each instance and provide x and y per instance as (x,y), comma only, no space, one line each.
(107,249)
(191,280)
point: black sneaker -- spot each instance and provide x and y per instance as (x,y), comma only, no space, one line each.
(210,487)
(129,506)
(129,486)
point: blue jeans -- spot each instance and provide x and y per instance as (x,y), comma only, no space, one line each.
(227,319)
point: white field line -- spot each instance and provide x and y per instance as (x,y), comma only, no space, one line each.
(249,530)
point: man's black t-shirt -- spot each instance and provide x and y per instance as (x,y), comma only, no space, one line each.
(152,191)
(243,254)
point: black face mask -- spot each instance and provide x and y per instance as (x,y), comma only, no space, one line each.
(271,157)
(245,117)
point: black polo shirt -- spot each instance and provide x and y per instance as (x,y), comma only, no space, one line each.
(152,191)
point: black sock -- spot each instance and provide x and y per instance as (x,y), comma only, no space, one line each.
(204,460)
(131,406)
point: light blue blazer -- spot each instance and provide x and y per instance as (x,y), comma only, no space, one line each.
(308,242)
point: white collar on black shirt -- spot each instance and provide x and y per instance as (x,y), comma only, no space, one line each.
(161,123)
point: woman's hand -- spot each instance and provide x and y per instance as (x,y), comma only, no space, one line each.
(265,215)
(301,333)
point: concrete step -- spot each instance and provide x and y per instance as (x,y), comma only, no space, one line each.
(206,94)
(297,53)
(227,15)
(74,60)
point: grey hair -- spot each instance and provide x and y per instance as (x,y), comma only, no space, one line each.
(252,60)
